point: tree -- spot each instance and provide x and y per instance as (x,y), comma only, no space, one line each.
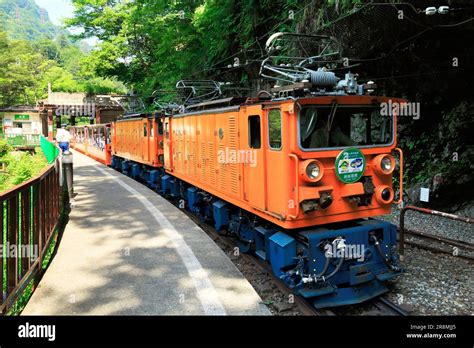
(152,44)
(27,68)
(19,68)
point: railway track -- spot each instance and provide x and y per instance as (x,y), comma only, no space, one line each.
(387,307)
(380,306)
(440,244)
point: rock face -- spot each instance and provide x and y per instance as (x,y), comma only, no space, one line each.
(414,192)
(467,210)
(451,197)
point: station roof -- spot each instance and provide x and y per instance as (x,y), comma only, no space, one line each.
(20,108)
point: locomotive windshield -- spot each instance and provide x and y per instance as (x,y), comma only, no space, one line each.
(339,126)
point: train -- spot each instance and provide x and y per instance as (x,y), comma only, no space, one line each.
(296,176)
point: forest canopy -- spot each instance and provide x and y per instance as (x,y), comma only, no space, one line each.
(153,44)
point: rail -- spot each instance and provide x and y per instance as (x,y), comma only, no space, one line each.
(424,211)
(30,215)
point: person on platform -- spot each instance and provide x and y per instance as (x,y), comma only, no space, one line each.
(63,137)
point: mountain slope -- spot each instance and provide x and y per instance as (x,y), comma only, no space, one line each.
(25,20)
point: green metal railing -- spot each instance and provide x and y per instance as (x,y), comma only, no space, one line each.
(49,149)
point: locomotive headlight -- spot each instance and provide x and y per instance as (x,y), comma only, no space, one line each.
(384,164)
(384,194)
(311,170)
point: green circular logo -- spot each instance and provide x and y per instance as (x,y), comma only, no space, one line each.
(350,165)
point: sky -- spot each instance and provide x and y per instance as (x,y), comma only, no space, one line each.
(57,9)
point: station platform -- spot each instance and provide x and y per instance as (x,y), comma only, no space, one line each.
(128,251)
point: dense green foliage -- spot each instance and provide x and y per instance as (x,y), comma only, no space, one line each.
(19,166)
(152,44)
(27,68)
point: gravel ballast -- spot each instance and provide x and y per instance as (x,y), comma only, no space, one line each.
(434,283)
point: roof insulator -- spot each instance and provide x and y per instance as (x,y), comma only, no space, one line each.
(429,11)
(443,9)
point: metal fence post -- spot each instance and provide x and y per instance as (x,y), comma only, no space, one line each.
(67,162)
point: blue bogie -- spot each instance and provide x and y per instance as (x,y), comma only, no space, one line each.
(282,252)
(175,188)
(125,167)
(262,241)
(193,199)
(116,163)
(136,171)
(165,184)
(153,178)
(221,214)
(356,270)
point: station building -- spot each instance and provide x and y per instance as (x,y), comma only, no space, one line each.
(22,120)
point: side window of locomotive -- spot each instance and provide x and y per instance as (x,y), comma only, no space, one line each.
(160,127)
(151,129)
(145,130)
(254,132)
(167,134)
(274,129)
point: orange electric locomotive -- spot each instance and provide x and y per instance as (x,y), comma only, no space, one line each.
(296,175)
